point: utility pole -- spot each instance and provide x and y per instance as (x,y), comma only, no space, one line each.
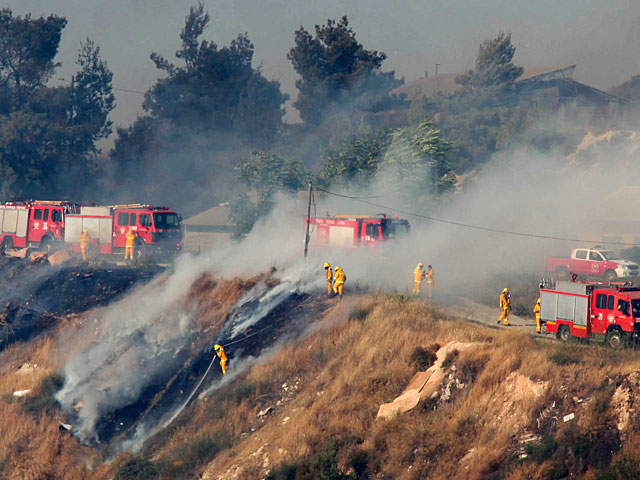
(306,235)
(437,65)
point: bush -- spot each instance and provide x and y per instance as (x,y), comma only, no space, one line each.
(625,469)
(184,461)
(284,471)
(359,314)
(422,358)
(326,465)
(564,356)
(541,451)
(137,469)
(45,402)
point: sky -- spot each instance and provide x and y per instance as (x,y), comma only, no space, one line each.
(601,38)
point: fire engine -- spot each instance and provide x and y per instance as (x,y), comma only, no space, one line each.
(353,231)
(604,311)
(57,225)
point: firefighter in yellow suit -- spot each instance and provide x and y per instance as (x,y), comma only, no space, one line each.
(430,278)
(418,275)
(338,281)
(536,310)
(505,306)
(327,267)
(223,358)
(128,248)
(84,243)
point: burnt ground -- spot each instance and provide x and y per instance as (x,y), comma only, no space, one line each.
(35,297)
(285,322)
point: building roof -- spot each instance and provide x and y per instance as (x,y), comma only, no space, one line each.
(218,215)
(445,83)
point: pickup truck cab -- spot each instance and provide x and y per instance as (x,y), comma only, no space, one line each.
(592,262)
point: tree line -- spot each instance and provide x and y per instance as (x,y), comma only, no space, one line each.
(213,123)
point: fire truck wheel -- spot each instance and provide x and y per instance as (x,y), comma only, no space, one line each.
(562,273)
(614,339)
(563,333)
(141,250)
(6,243)
(46,244)
(610,276)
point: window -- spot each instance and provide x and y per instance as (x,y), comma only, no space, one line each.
(123,219)
(581,254)
(635,307)
(601,301)
(145,220)
(132,219)
(37,214)
(372,230)
(609,255)
(623,307)
(610,302)
(56,216)
(166,220)
(45,217)
(595,256)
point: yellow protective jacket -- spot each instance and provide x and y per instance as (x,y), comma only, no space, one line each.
(418,274)
(430,276)
(505,302)
(84,239)
(536,309)
(221,354)
(329,274)
(131,238)
(340,277)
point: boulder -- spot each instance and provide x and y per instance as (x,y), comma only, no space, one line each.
(38,257)
(60,257)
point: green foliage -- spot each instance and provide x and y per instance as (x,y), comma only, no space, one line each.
(137,469)
(267,174)
(493,65)
(542,450)
(422,358)
(357,158)
(334,69)
(326,465)
(629,90)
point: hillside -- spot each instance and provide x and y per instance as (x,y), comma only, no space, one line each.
(307,378)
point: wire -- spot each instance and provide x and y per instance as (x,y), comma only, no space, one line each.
(475,227)
(112,88)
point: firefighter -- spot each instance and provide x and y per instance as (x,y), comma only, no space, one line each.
(329,271)
(84,243)
(418,275)
(536,310)
(131,240)
(430,278)
(222,356)
(505,306)
(338,281)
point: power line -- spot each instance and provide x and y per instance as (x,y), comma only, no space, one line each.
(467,225)
(112,88)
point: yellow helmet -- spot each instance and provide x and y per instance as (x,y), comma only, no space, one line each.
(84,231)
(538,300)
(505,290)
(420,265)
(217,347)
(338,268)
(326,265)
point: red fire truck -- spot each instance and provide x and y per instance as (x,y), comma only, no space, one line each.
(353,231)
(57,225)
(159,229)
(38,223)
(602,311)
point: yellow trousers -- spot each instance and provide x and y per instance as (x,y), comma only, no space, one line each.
(337,288)
(329,288)
(429,288)
(504,316)
(83,251)
(128,253)
(538,326)
(223,365)
(416,288)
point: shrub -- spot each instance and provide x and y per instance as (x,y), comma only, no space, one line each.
(137,469)
(422,358)
(624,469)
(359,314)
(184,461)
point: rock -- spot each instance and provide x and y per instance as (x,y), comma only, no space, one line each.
(17,252)
(27,369)
(21,393)
(38,257)
(285,420)
(60,257)
(265,412)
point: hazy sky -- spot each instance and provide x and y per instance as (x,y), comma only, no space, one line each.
(601,37)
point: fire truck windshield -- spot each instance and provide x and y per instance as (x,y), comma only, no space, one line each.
(166,220)
(394,228)
(635,307)
(609,255)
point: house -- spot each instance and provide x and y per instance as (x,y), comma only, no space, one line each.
(551,88)
(208,228)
